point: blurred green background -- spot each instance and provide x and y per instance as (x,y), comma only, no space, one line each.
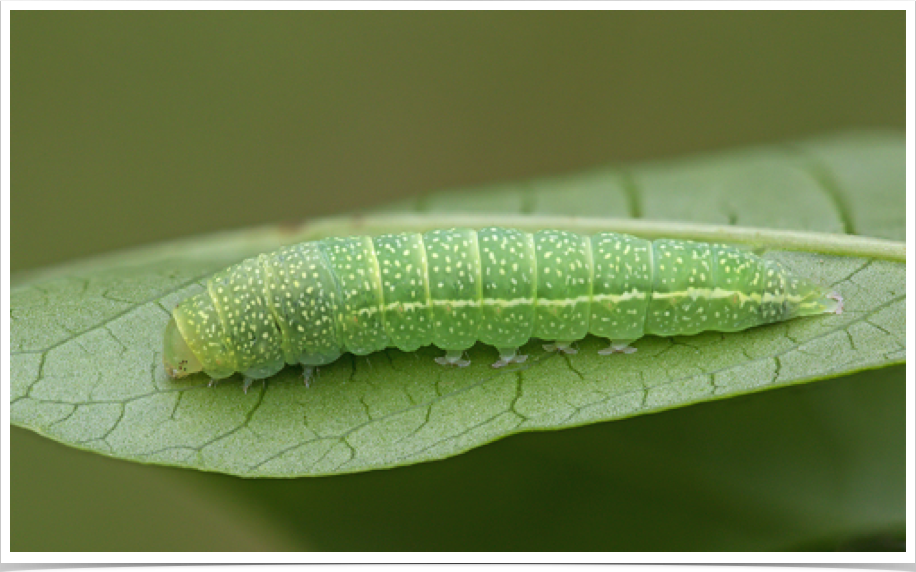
(135,127)
(132,127)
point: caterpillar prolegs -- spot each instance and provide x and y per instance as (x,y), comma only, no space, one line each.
(311,302)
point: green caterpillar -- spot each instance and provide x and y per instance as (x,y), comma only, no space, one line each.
(310,302)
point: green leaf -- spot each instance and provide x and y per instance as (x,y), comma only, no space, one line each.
(86,338)
(818,466)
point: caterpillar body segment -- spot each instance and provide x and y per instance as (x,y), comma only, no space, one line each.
(308,303)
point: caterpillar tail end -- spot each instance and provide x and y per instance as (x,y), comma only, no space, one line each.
(835,296)
(804,297)
(819,303)
(828,303)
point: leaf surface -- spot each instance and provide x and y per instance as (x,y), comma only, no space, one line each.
(86,338)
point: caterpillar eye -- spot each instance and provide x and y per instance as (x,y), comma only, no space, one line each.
(178,358)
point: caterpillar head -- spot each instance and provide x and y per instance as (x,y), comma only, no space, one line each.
(178,358)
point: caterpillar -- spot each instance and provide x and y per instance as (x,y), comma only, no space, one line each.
(309,303)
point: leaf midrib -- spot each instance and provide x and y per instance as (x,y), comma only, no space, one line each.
(760,238)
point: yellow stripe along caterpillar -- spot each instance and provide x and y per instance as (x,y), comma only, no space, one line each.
(309,303)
